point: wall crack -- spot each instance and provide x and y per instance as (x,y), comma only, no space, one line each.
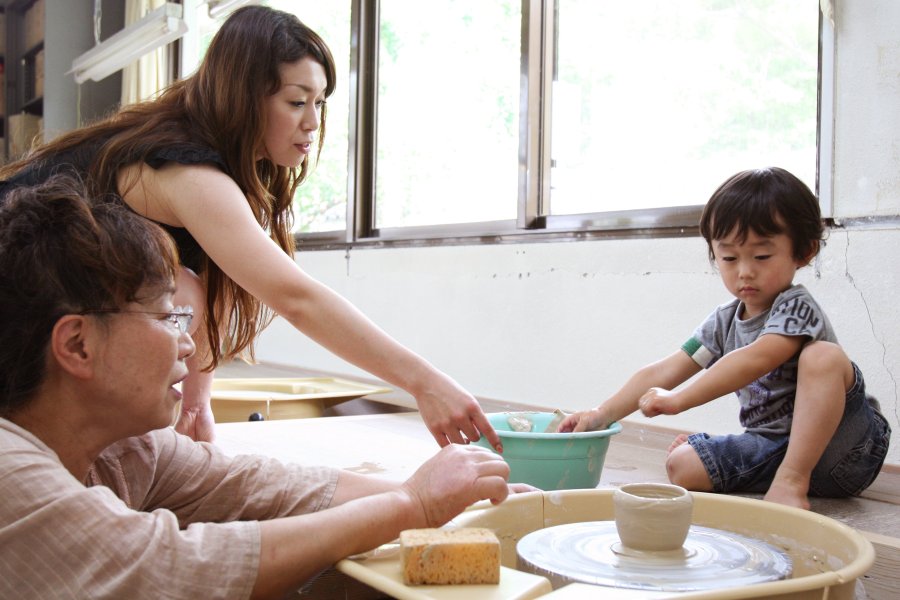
(875,335)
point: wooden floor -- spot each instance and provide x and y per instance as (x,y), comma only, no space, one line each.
(638,455)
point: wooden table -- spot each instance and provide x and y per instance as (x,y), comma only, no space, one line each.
(392,446)
(395,445)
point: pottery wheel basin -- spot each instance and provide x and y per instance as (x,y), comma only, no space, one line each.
(825,557)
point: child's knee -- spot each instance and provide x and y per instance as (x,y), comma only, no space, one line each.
(677,465)
(684,468)
(826,358)
(822,353)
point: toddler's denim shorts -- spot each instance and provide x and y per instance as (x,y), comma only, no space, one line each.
(747,462)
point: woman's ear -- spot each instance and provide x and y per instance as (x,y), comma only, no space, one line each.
(70,345)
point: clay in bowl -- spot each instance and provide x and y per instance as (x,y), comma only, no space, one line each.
(549,460)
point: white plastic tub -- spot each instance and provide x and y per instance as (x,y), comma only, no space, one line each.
(828,557)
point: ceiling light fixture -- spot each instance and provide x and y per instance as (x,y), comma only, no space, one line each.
(158,28)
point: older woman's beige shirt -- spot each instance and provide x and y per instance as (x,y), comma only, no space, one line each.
(160,516)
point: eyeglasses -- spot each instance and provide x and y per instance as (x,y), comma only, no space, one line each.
(180,318)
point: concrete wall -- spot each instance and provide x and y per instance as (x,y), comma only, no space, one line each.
(563,324)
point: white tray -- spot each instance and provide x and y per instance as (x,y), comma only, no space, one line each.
(275,398)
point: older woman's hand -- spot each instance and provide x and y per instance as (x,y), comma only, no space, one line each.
(455,478)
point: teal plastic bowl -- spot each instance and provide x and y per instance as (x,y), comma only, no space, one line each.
(551,461)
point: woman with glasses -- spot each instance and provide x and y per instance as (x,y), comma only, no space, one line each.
(215,160)
(100,497)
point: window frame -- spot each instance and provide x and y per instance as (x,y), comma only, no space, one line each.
(538,35)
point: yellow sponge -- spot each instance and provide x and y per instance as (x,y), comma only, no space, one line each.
(450,556)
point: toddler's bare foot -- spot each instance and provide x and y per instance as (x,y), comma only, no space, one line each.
(681,439)
(789,493)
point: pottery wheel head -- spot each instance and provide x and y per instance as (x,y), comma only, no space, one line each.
(592,553)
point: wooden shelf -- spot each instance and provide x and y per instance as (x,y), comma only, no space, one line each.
(31,52)
(34,106)
(24,69)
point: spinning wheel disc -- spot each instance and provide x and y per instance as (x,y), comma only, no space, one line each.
(592,553)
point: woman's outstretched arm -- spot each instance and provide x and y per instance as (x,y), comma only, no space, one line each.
(211,206)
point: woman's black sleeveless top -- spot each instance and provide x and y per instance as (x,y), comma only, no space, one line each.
(77,162)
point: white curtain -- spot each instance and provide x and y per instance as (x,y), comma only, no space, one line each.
(150,74)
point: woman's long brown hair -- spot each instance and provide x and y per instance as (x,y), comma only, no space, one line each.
(220,107)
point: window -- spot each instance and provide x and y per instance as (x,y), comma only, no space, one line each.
(448,112)
(462,119)
(655,103)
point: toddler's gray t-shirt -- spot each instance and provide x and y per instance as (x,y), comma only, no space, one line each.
(767,404)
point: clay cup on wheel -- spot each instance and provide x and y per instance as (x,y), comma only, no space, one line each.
(652,517)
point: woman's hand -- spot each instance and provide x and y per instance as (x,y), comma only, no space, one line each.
(196,419)
(197,422)
(453,416)
(455,478)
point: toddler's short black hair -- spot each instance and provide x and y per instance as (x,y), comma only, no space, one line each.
(767,202)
